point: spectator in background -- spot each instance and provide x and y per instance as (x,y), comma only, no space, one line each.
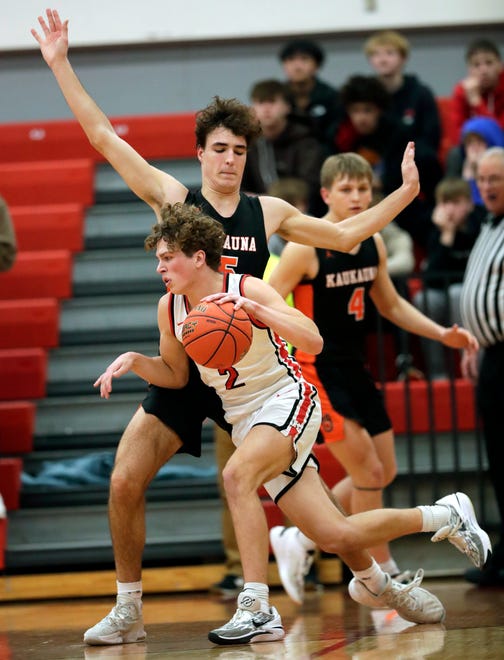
(457,224)
(412,102)
(481,92)
(312,99)
(286,148)
(482,309)
(400,254)
(478,134)
(371,131)
(8,244)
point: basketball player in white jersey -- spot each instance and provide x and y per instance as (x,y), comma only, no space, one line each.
(275,418)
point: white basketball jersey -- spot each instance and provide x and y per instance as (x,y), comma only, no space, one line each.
(266,369)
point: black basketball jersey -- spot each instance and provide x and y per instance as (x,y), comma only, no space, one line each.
(337,299)
(246,247)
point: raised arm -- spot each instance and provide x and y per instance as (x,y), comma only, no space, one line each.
(344,235)
(149,183)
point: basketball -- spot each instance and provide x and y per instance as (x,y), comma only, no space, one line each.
(217,336)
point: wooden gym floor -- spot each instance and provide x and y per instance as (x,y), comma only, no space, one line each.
(328,625)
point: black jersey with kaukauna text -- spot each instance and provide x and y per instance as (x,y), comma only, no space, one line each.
(337,300)
(246,247)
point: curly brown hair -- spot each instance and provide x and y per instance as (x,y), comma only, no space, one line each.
(186,228)
(227,113)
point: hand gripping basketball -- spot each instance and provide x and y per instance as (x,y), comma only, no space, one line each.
(217,336)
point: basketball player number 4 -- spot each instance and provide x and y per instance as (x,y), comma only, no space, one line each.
(356,303)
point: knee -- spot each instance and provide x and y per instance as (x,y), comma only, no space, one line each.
(389,474)
(237,480)
(125,487)
(373,476)
(340,541)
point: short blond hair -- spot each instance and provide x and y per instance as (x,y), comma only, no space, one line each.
(387,38)
(349,165)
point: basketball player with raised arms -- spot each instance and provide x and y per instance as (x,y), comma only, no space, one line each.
(275,414)
(335,290)
(161,427)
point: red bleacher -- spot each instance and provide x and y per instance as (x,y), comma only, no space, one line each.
(45,274)
(10,481)
(49,227)
(47,182)
(29,322)
(23,373)
(153,136)
(17,423)
(442,401)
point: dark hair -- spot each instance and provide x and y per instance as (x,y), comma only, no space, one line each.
(305,47)
(187,229)
(269,90)
(230,114)
(482,46)
(364,89)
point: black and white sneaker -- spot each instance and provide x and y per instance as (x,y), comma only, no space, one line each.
(249,624)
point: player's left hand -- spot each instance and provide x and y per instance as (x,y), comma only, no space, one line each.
(120,366)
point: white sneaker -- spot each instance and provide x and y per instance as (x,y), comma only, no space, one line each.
(123,625)
(463,530)
(249,624)
(411,601)
(403,577)
(292,559)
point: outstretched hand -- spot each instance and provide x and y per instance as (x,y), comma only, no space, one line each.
(409,169)
(120,366)
(456,337)
(54,42)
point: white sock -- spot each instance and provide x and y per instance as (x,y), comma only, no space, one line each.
(389,566)
(133,589)
(373,577)
(434,517)
(257,590)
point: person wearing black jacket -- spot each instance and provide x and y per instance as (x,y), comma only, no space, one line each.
(371,130)
(412,102)
(313,100)
(286,148)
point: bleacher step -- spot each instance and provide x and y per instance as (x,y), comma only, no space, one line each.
(79,536)
(73,369)
(118,225)
(107,272)
(121,318)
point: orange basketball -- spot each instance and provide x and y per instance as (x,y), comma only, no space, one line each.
(217,336)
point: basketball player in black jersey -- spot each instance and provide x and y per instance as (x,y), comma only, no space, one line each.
(161,426)
(333,289)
